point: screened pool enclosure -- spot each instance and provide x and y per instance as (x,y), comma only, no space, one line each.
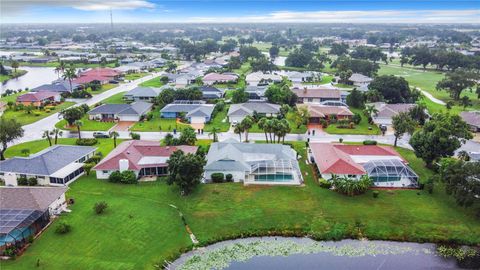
(275,170)
(391,172)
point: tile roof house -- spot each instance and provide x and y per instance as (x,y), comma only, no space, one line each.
(56,165)
(317,95)
(140,93)
(472,119)
(237,112)
(318,112)
(121,112)
(38,98)
(196,112)
(257,78)
(145,158)
(387,111)
(212,78)
(382,163)
(101,75)
(359,79)
(270,164)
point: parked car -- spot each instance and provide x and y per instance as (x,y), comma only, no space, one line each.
(99,134)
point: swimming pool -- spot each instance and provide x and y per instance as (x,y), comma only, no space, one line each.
(277,177)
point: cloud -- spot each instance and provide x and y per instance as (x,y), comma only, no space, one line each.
(355,16)
(9,7)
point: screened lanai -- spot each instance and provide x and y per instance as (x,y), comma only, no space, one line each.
(391,172)
(17,225)
(275,170)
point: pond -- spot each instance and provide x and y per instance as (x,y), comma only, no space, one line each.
(282,253)
(34,77)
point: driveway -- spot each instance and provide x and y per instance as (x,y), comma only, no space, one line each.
(123,126)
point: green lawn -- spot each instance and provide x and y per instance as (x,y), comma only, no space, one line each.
(265,47)
(115,99)
(155,82)
(361,128)
(14,74)
(140,229)
(244,69)
(301,130)
(104,88)
(88,125)
(135,76)
(220,120)
(12,97)
(158,124)
(24,118)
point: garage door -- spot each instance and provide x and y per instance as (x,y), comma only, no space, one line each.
(197,120)
(128,118)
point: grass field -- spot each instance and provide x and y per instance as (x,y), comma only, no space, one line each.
(115,99)
(362,128)
(158,124)
(104,88)
(135,76)
(18,73)
(155,82)
(140,229)
(24,118)
(220,120)
(88,125)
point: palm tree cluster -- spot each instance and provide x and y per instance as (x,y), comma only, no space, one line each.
(274,129)
(351,187)
(47,134)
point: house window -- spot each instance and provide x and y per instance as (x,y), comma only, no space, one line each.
(310,99)
(82,159)
(105,172)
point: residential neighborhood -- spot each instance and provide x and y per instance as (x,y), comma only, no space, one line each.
(211,135)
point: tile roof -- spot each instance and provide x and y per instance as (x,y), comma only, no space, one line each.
(135,150)
(46,162)
(219,77)
(318,93)
(36,96)
(32,198)
(323,110)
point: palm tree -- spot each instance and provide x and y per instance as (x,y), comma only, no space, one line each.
(114,135)
(46,135)
(269,127)
(262,124)
(238,130)
(370,110)
(247,123)
(56,132)
(15,65)
(79,124)
(70,74)
(60,68)
(463,155)
(214,133)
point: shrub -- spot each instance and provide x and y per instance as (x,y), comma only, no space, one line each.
(87,167)
(128,177)
(324,183)
(135,136)
(86,142)
(22,181)
(229,177)
(217,177)
(36,114)
(32,181)
(375,194)
(357,118)
(63,227)
(115,177)
(369,142)
(352,187)
(47,110)
(95,159)
(100,207)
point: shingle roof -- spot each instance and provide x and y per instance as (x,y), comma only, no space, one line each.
(472,118)
(36,96)
(135,150)
(243,109)
(136,108)
(318,93)
(390,110)
(198,109)
(47,161)
(219,77)
(144,92)
(357,77)
(323,110)
(32,198)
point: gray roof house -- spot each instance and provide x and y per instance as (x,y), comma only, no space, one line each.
(256,92)
(143,93)
(271,164)
(237,112)
(472,119)
(121,112)
(61,86)
(360,79)
(387,111)
(196,112)
(56,165)
(210,92)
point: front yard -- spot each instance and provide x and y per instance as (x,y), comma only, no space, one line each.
(155,82)
(25,118)
(104,87)
(135,76)
(88,125)
(361,129)
(140,229)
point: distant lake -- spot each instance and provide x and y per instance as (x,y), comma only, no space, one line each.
(34,77)
(303,253)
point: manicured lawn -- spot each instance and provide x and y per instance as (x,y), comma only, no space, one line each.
(220,120)
(24,118)
(135,76)
(12,97)
(115,99)
(158,124)
(155,82)
(104,88)
(140,229)
(362,128)
(88,125)
(325,79)
(244,69)
(16,74)
(302,129)
(265,47)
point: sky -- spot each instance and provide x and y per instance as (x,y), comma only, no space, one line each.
(239,11)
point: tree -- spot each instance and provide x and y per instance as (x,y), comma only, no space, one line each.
(167,96)
(60,68)
(339,49)
(356,99)
(370,110)
(419,113)
(46,135)
(134,136)
(440,137)
(393,89)
(78,124)
(214,132)
(239,96)
(69,74)
(403,60)
(238,129)
(300,116)
(185,170)
(402,123)
(466,102)
(263,64)
(247,124)
(274,51)
(345,75)
(262,124)
(25,151)
(72,114)
(10,130)
(456,82)
(114,135)
(188,136)
(15,65)
(228,46)
(298,58)
(281,94)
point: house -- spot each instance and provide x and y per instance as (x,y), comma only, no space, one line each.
(237,112)
(183,79)
(100,75)
(360,80)
(300,77)
(210,92)
(120,112)
(145,158)
(472,119)
(56,165)
(385,112)
(256,92)
(212,78)
(196,112)
(260,78)
(60,86)
(269,164)
(319,112)
(318,95)
(143,93)
(26,212)
(382,163)
(38,98)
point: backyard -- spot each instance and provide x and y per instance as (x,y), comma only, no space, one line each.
(140,229)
